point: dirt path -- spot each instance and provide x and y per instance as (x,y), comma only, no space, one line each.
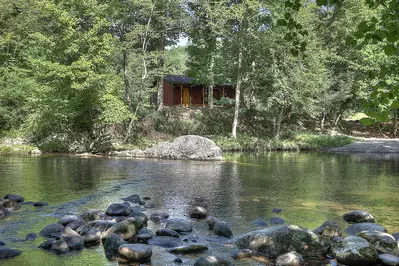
(370,145)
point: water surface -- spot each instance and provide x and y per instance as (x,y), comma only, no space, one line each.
(310,188)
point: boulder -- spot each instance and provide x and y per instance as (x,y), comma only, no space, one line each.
(165,241)
(241,254)
(358,216)
(179,225)
(100,224)
(66,219)
(72,239)
(118,209)
(14,197)
(92,236)
(212,261)
(7,253)
(90,215)
(140,216)
(11,205)
(186,147)
(211,221)
(278,240)
(59,246)
(329,229)
(193,248)
(289,259)
(396,236)
(198,212)
(127,228)
(52,230)
(384,243)
(221,228)
(46,245)
(2,243)
(389,259)
(35,152)
(167,232)
(135,252)
(3,212)
(144,235)
(111,244)
(133,198)
(353,251)
(354,229)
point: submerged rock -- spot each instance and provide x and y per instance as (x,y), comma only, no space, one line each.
(11,205)
(40,203)
(133,198)
(358,216)
(384,243)
(167,232)
(278,240)
(165,241)
(259,222)
(7,253)
(3,212)
(276,220)
(212,261)
(135,252)
(198,212)
(329,229)
(241,254)
(186,147)
(30,236)
(277,210)
(353,251)
(289,259)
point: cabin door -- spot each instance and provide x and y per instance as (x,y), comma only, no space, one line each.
(186,97)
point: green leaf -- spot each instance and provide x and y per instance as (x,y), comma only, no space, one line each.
(390,49)
(350,41)
(366,121)
(392,36)
(395,105)
(287,15)
(282,22)
(363,26)
(321,2)
(294,52)
(383,117)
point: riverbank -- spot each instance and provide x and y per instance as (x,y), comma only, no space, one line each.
(295,142)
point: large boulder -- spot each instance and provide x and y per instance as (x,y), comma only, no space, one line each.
(384,243)
(52,230)
(135,252)
(278,240)
(388,259)
(354,229)
(127,228)
(186,147)
(358,216)
(354,250)
(14,197)
(118,209)
(111,244)
(72,239)
(221,228)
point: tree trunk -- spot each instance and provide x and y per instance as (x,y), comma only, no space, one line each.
(395,122)
(161,48)
(237,97)
(277,124)
(210,96)
(323,119)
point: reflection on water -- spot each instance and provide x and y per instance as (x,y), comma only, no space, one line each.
(310,187)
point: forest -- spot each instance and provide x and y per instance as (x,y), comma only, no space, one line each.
(77,74)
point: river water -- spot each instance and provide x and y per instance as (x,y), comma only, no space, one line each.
(310,188)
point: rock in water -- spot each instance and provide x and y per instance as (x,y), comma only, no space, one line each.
(186,147)
(193,248)
(278,240)
(384,243)
(388,259)
(127,228)
(357,228)
(135,252)
(358,216)
(118,209)
(353,251)
(111,244)
(222,229)
(212,261)
(198,212)
(329,229)
(179,225)
(14,197)
(52,230)
(6,253)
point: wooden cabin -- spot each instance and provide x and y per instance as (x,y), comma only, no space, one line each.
(181,90)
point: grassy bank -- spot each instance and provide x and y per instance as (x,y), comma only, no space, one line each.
(297,142)
(16,149)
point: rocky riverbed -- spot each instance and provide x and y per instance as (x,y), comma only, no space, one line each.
(122,229)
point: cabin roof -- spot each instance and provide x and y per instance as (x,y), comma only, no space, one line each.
(181,79)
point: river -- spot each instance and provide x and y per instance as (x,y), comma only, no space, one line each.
(310,188)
